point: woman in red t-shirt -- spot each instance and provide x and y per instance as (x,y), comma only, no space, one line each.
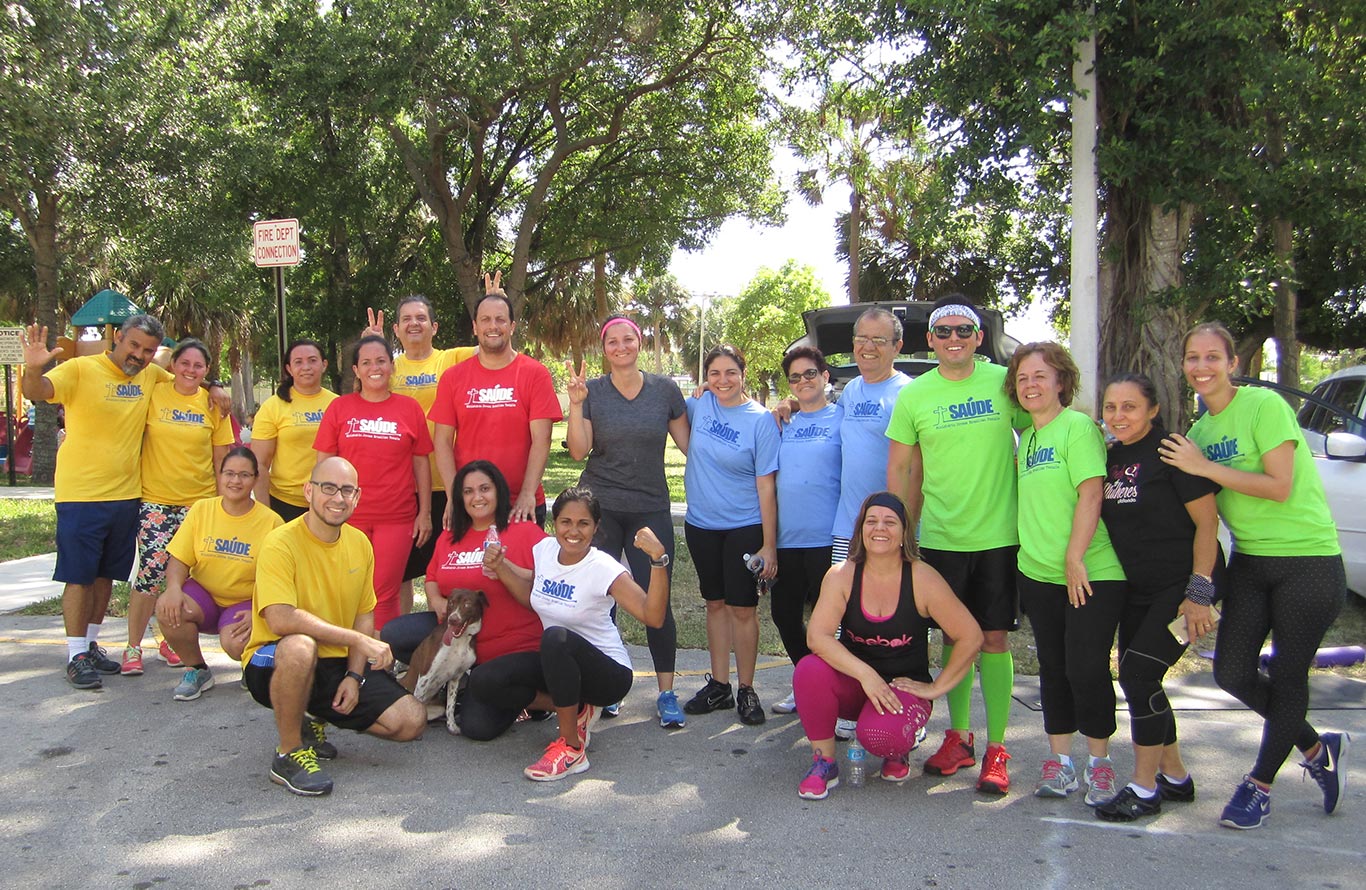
(480,502)
(384,436)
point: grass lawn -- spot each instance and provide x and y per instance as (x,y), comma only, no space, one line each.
(27,528)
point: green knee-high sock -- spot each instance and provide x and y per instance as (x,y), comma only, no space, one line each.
(998,681)
(960,697)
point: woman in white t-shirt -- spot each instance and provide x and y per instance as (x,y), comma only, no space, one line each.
(582,663)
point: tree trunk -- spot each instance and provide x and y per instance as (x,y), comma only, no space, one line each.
(855,214)
(1287,298)
(43,239)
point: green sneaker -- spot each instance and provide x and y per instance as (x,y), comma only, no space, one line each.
(300,773)
(193,684)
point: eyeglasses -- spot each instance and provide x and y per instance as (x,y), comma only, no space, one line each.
(234,475)
(331,490)
(879,342)
(964,331)
(808,374)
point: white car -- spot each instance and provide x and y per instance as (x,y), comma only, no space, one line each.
(1333,418)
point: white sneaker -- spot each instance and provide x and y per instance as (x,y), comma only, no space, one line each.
(787,705)
(845,729)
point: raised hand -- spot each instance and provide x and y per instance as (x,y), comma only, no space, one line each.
(376,323)
(36,353)
(493,285)
(577,384)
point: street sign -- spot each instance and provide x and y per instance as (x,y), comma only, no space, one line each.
(276,242)
(11,346)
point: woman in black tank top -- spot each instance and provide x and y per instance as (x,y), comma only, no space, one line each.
(884,599)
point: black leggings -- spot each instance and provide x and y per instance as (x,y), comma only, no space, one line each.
(800,573)
(569,667)
(1074,655)
(1147,650)
(617,532)
(1294,599)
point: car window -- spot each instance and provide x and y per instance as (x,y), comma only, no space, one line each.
(1345,394)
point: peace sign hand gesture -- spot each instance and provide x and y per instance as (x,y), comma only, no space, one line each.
(577,384)
(376,325)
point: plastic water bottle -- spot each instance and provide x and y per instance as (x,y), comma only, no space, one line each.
(490,538)
(855,760)
(755,563)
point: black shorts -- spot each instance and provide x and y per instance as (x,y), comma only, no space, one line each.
(377,694)
(420,557)
(985,582)
(719,558)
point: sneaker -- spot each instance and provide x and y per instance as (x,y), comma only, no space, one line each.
(193,684)
(1127,805)
(1249,808)
(747,705)
(823,775)
(712,697)
(80,672)
(994,778)
(895,769)
(920,735)
(670,714)
(559,761)
(954,754)
(611,711)
(314,733)
(588,719)
(132,662)
(1100,782)
(1326,767)
(787,705)
(300,773)
(167,654)
(1177,792)
(1056,780)
(845,729)
(101,661)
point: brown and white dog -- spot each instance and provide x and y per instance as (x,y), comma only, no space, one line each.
(448,652)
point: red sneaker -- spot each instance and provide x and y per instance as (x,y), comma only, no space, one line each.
(132,662)
(167,654)
(559,761)
(953,755)
(994,778)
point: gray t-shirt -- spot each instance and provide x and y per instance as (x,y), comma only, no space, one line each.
(626,466)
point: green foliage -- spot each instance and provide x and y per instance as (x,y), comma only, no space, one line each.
(767,317)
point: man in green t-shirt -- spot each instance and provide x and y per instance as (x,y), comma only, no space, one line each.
(952,459)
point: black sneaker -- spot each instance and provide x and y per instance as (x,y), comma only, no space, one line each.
(299,772)
(80,672)
(314,733)
(712,697)
(101,661)
(751,712)
(1177,792)
(1126,806)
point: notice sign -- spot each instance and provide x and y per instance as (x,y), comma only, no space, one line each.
(11,346)
(276,242)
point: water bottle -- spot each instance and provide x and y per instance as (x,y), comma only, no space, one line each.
(490,538)
(855,759)
(755,563)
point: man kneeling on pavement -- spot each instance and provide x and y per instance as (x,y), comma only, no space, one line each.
(313,656)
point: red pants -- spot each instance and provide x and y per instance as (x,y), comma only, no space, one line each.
(392,541)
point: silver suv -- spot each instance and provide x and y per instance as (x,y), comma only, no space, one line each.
(1333,418)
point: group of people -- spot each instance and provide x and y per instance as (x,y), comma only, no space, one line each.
(952,501)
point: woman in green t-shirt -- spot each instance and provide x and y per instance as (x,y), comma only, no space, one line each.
(1285,578)
(1071,584)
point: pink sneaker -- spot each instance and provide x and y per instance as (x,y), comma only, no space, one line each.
(823,775)
(896,769)
(167,654)
(132,662)
(559,761)
(588,718)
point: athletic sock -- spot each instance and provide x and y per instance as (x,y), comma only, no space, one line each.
(1064,759)
(1175,781)
(960,697)
(76,646)
(1145,793)
(1093,760)
(998,683)
(92,634)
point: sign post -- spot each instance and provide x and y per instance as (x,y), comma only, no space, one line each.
(11,353)
(276,245)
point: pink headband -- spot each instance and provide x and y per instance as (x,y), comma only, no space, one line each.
(619,319)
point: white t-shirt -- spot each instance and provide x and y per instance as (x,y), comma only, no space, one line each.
(575,597)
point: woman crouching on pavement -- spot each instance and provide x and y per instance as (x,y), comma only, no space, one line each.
(881,600)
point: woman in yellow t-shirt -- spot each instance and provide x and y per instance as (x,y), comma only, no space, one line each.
(185,438)
(286,425)
(212,570)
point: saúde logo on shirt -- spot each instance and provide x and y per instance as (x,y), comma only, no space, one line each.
(971,411)
(1223,451)
(560,590)
(719,430)
(175,415)
(1122,486)
(811,432)
(308,418)
(869,409)
(226,548)
(491,397)
(463,559)
(419,380)
(372,428)
(122,392)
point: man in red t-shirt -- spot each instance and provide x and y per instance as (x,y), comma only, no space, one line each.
(503,405)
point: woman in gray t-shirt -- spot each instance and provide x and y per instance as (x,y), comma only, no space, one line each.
(619,422)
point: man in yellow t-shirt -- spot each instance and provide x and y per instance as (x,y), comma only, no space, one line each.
(312,649)
(98,483)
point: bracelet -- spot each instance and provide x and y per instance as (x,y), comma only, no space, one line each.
(1200,590)
(359,678)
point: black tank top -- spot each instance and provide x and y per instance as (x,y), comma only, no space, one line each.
(896,646)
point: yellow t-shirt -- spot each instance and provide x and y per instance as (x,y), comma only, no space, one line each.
(106,413)
(177,448)
(293,425)
(333,582)
(419,379)
(221,549)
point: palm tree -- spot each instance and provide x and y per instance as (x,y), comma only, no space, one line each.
(662,307)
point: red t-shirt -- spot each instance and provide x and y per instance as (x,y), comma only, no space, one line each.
(508,625)
(380,439)
(492,413)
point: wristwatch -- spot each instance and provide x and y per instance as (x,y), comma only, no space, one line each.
(359,678)
(660,563)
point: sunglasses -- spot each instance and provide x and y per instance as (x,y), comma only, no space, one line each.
(808,374)
(944,331)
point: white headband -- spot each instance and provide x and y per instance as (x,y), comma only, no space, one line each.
(955,309)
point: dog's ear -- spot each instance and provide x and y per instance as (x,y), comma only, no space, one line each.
(481,599)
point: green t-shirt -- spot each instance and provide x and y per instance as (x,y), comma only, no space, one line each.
(1052,462)
(966,432)
(1255,422)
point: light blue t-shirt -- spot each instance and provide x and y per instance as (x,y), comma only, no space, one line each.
(809,478)
(863,441)
(727,450)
